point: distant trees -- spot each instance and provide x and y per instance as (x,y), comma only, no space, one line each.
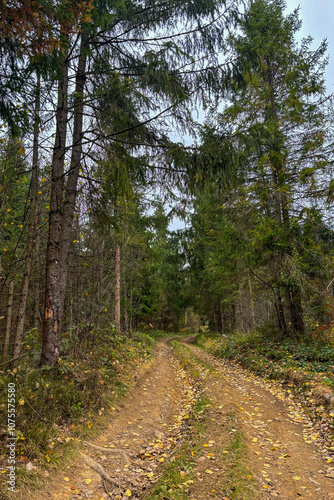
(92,94)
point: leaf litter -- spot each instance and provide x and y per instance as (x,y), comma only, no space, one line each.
(282,437)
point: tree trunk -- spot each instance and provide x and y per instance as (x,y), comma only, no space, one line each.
(60,226)
(37,314)
(8,321)
(73,176)
(296,311)
(51,320)
(251,302)
(118,289)
(31,230)
(280,314)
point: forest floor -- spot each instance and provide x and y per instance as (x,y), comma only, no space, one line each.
(197,427)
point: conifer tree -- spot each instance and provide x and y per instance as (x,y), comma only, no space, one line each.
(276,118)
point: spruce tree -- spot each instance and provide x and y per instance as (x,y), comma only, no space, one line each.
(276,118)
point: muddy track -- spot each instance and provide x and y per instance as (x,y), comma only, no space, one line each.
(147,428)
(143,432)
(285,465)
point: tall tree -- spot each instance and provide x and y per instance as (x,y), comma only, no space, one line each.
(276,118)
(139,47)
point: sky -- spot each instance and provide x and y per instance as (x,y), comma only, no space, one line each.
(318,21)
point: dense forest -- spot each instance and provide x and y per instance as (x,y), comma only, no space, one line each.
(95,99)
(166,169)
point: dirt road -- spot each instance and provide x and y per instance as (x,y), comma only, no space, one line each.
(254,445)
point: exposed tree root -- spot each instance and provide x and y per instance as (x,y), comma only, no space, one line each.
(123,454)
(98,468)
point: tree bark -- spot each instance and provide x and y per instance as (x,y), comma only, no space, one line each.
(8,321)
(118,289)
(296,311)
(280,314)
(31,230)
(251,302)
(51,320)
(60,226)
(72,181)
(37,314)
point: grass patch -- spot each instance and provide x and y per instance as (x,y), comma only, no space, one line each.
(178,473)
(189,360)
(238,481)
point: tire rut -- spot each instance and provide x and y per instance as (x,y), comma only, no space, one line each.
(124,460)
(285,465)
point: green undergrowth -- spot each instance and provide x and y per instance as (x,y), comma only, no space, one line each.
(55,408)
(269,355)
(178,474)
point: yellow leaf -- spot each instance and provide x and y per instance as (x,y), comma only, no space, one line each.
(127,493)
(206,445)
(296,478)
(208,471)
(254,440)
(249,476)
(66,478)
(89,424)
(161,459)
(88,481)
(21,402)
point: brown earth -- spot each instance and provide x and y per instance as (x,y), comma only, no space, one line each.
(143,432)
(285,465)
(146,429)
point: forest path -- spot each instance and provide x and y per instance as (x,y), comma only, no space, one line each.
(285,462)
(151,425)
(143,432)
